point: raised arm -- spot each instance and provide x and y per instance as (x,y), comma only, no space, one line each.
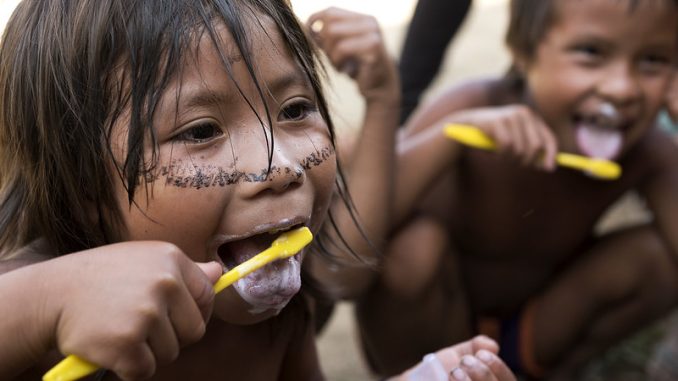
(354,45)
(425,153)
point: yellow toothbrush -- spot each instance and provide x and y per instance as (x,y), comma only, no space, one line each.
(474,137)
(286,245)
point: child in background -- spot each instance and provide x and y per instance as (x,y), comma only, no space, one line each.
(151,136)
(505,241)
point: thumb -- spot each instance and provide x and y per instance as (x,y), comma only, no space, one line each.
(213,270)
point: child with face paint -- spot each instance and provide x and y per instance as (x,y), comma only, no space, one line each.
(161,143)
(506,242)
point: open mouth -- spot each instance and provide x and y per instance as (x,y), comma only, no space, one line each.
(272,286)
(238,251)
(600,134)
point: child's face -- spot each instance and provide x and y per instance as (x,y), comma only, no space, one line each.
(601,72)
(210,194)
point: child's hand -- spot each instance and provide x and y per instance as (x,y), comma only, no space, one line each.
(129,307)
(354,45)
(473,360)
(516,130)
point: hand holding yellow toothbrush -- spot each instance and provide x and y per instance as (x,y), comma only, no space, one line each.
(474,137)
(285,246)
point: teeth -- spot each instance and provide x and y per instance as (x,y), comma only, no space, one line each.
(278,231)
(607,116)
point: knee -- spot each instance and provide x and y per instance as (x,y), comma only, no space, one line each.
(643,270)
(414,257)
(658,278)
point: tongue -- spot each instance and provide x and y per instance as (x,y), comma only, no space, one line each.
(597,142)
(242,250)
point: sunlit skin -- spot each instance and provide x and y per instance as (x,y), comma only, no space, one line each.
(496,231)
(207,130)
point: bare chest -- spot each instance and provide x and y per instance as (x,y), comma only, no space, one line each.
(498,209)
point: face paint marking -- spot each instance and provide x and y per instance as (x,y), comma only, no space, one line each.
(183,175)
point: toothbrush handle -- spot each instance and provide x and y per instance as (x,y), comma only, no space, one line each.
(470,136)
(573,161)
(474,137)
(73,367)
(69,369)
(243,269)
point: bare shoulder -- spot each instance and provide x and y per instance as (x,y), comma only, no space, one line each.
(36,251)
(466,95)
(655,154)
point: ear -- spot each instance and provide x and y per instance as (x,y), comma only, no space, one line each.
(520,62)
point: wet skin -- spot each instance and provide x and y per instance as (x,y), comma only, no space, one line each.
(213,196)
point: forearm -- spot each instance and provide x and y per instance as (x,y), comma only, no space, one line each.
(421,159)
(26,325)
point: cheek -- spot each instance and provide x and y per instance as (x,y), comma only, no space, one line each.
(183,216)
(323,178)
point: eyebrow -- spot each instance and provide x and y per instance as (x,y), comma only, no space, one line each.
(205,98)
(290,78)
(210,98)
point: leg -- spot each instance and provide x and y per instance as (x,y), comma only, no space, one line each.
(417,305)
(434,24)
(624,282)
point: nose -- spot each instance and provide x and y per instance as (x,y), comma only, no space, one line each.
(286,173)
(620,84)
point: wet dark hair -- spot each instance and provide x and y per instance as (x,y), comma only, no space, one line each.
(69,69)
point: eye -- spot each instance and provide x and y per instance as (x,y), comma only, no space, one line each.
(588,51)
(296,110)
(199,133)
(654,62)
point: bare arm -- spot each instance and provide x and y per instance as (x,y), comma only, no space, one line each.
(661,187)
(26,326)
(354,44)
(425,153)
(96,305)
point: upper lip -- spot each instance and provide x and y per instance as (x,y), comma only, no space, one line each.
(278,226)
(617,122)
